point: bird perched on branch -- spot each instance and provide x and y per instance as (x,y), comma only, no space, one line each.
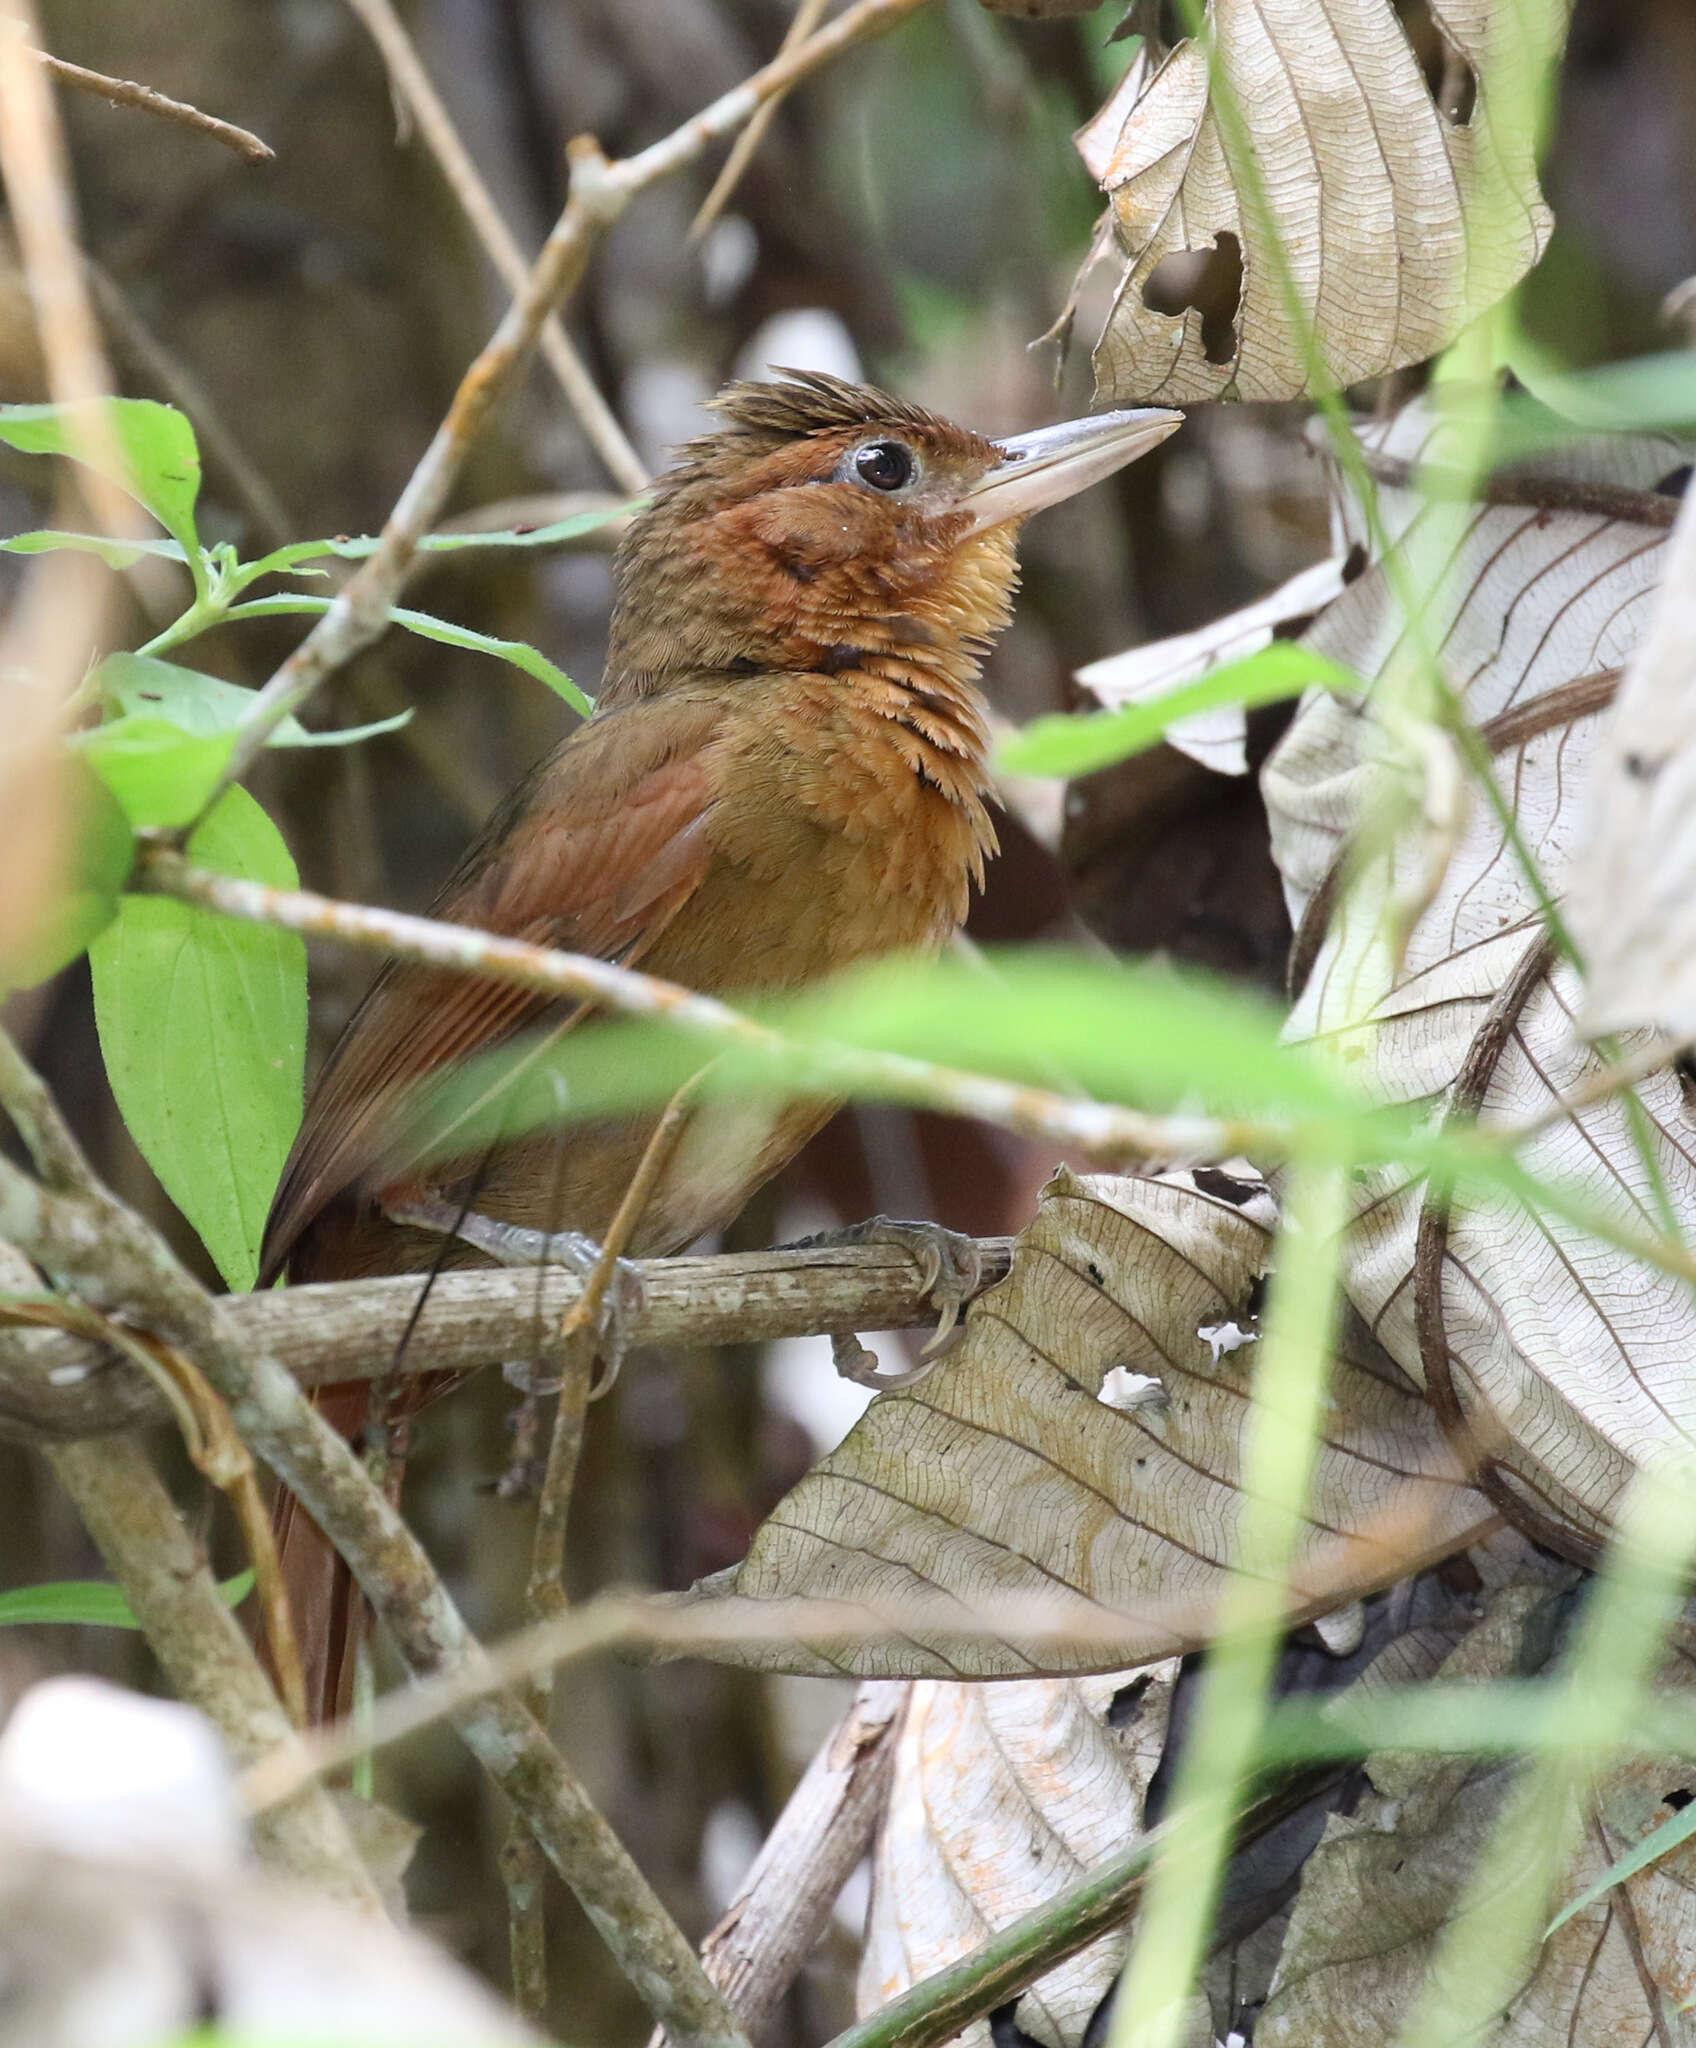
(786,773)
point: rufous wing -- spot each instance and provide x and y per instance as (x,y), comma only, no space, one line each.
(595,853)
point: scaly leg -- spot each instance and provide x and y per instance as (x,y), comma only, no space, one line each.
(952,1272)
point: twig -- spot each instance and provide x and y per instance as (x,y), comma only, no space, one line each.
(124,92)
(1103,1131)
(61,1388)
(599,193)
(418,93)
(200,1644)
(1407,1537)
(807,16)
(92,1245)
(774,1922)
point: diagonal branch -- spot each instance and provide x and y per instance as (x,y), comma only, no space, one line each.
(599,193)
(435,124)
(124,92)
(1107,1132)
(91,1245)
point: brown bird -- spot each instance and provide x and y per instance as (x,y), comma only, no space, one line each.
(786,772)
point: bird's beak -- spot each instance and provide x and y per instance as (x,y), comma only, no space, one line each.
(1039,469)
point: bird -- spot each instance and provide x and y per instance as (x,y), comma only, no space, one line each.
(786,773)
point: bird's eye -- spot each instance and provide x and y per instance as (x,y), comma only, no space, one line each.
(885,465)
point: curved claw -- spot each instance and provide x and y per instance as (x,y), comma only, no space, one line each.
(950,1270)
(854,1362)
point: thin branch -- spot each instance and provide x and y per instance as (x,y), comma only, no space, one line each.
(124,92)
(200,1644)
(1107,1132)
(780,1909)
(807,16)
(1407,1537)
(418,93)
(57,1387)
(599,193)
(92,1246)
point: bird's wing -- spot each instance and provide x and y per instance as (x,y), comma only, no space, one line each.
(596,853)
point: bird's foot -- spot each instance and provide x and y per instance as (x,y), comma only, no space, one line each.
(613,1297)
(854,1362)
(950,1271)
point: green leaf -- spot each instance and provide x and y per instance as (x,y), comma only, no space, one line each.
(285,561)
(1139,1035)
(203,1027)
(116,554)
(145,687)
(87,900)
(92,1602)
(1080,744)
(1675,1830)
(161,774)
(519,652)
(146,448)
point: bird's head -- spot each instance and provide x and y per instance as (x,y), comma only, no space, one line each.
(826,521)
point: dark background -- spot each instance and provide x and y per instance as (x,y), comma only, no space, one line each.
(918,208)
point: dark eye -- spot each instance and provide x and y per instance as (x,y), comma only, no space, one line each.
(885,465)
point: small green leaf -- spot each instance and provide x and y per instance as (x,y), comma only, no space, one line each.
(116,554)
(145,687)
(203,1027)
(1672,1833)
(519,652)
(87,900)
(161,774)
(146,448)
(1080,744)
(286,561)
(92,1602)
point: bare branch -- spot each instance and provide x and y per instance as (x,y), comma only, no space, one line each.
(1106,1132)
(807,16)
(56,1387)
(124,92)
(600,191)
(208,1660)
(435,124)
(774,1922)
(93,1247)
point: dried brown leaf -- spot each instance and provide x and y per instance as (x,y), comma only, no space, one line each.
(1401,224)
(1008,1471)
(1003,1796)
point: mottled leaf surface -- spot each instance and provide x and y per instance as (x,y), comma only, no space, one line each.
(1004,1795)
(1378,1889)
(1570,1360)
(1010,1472)
(1400,223)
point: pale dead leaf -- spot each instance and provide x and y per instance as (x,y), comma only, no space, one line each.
(1571,1359)
(1634,884)
(1004,1474)
(1003,1796)
(1377,1890)
(1217,739)
(1401,225)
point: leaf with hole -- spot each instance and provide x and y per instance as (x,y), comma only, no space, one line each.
(1305,136)
(203,1028)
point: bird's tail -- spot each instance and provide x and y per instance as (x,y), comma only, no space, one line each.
(329,1612)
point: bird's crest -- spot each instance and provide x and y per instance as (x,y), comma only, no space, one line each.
(811,402)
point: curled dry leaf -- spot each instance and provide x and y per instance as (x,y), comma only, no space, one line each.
(1376,1891)
(1217,739)
(1634,884)
(1401,222)
(1555,1360)
(1003,1796)
(1011,1473)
